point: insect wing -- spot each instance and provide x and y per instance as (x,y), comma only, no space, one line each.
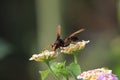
(76,32)
(58,31)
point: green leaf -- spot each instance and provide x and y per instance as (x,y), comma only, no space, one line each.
(74,69)
(59,69)
(44,74)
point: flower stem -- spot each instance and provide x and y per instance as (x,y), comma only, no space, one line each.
(75,58)
(76,61)
(52,71)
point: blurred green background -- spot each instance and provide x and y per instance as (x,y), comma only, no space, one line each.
(27,26)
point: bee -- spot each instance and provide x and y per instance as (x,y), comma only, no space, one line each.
(65,42)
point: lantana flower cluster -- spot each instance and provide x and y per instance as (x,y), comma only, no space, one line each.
(46,55)
(97,74)
(74,47)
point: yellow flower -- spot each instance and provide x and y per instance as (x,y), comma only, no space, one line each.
(44,56)
(74,47)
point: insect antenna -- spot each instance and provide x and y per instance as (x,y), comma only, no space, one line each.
(47,47)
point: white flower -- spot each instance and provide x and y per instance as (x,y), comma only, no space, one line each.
(44,56)
(74,47)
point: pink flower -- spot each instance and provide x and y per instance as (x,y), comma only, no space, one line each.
(107,77)
(97,74)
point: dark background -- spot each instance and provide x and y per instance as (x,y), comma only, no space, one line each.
(19,35)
